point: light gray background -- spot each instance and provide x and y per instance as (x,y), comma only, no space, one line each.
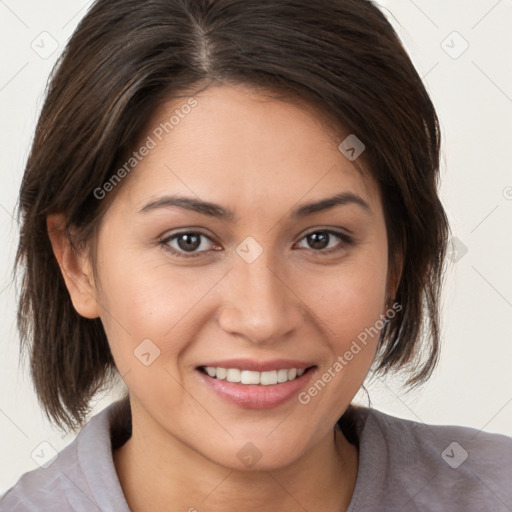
(472,91)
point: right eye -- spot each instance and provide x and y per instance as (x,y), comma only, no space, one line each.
(186,244)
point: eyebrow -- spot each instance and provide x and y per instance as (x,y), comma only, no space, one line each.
(220,212)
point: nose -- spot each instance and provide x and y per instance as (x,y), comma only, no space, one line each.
(258,302)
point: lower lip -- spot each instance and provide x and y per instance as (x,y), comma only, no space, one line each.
(256,396)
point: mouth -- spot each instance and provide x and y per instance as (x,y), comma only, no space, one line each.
(251,377)
(254,385)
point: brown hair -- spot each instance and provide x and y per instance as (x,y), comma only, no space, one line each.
(126,58)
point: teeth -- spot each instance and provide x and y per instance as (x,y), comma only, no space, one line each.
(221,373)
(282,375)
(233,375)
(269,378)
(250,377)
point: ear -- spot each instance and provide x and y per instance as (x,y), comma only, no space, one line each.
(76,268)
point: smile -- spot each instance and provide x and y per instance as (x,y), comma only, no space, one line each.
(267,378)
(252,384)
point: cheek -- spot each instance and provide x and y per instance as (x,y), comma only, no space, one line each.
(149,307)
(351,303)
(348,301)
(349,306)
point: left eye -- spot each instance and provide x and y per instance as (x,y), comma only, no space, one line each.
(319,241)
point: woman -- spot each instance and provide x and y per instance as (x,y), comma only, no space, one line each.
(233,205)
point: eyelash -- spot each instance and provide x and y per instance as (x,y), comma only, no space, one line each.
(346,241)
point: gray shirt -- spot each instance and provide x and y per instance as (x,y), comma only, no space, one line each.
(403,465)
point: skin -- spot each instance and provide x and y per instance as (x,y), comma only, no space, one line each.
(261,158)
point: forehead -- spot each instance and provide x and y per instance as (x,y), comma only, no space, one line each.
(241,147)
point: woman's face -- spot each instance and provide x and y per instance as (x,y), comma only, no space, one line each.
(273,287)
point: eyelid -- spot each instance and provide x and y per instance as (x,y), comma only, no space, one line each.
(335,230)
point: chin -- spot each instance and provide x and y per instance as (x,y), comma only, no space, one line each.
(257,453)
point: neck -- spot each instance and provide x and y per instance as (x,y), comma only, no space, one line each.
(161,473)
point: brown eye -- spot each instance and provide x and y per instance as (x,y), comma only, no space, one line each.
(186,243)
(189,241)
(323,241)
(318,240)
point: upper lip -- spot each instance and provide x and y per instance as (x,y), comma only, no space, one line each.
(258,366)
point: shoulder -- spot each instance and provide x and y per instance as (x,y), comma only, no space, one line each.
(80,477)
(445,445)
(45,486)
(33,490)
(436,467)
